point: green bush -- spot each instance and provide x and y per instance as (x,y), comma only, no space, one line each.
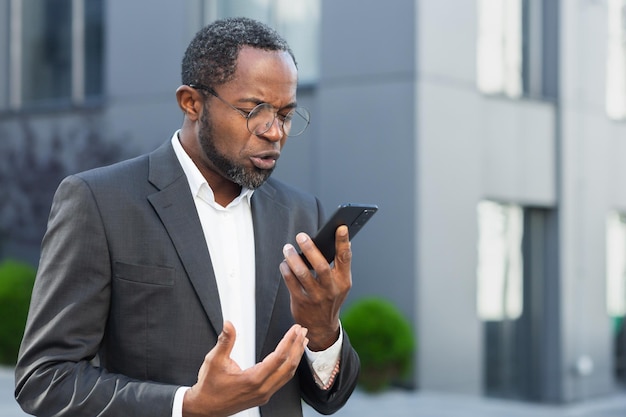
(16,285)
(383,339)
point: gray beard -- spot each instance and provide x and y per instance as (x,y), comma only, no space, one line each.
(245,177)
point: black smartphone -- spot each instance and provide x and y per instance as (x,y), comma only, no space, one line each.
(352,215)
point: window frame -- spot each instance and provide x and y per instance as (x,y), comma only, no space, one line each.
(12,76)
(500,232)
(535,59)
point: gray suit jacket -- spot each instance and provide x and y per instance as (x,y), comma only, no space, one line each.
(125,305)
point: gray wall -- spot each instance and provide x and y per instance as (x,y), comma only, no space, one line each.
(144,48)
(592,155)
(366,142)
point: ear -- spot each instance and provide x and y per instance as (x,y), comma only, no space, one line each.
(190,102)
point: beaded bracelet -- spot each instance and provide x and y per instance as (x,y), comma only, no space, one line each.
(331,380)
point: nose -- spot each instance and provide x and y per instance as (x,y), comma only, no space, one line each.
(275,132)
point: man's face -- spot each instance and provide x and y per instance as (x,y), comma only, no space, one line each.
(229,149)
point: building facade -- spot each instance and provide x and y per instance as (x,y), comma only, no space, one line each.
(490,133)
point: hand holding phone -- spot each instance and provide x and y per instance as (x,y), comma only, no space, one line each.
(350,214)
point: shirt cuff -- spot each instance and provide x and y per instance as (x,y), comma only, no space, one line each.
(177,407)
(325,363)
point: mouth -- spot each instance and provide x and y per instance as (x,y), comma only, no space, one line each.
(265,160)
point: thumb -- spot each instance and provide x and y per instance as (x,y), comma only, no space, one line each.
(343,256)
(226,339)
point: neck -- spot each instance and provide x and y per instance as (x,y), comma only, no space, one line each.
(225,197)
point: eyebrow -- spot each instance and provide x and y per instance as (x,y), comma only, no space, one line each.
(256,101)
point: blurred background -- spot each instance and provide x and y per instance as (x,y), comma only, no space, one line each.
(491,133)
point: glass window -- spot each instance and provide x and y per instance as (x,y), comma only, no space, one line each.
(518,300)
(297,21)
(46,50)
(499,47)
(616,264)
(500,269)
(94,48)
(616,60)
(616,287)
(54,51)
(4,52)
(517,48)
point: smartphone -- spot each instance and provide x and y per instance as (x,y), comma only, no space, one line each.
(352,215)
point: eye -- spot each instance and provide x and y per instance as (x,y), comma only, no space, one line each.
(248,112)
(286,117)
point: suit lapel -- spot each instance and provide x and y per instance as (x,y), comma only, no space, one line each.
(267,216)
(176,209)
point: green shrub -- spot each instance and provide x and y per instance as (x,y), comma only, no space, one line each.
(383,339)
(16,285)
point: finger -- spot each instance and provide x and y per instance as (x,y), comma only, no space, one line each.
(225,341)
(291,343)
(298,269)
(293,285)
(343,250)
(282,363)
(293,355)
(219,356)
(313,255)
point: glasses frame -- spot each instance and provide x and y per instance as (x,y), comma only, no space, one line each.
(246,115)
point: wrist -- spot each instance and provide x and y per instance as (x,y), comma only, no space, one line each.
(322,340)
(190,408)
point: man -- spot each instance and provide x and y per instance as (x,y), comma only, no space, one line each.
(165,284)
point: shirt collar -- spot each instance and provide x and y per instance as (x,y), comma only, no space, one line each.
(197,183)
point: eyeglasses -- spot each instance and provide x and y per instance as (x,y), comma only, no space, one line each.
(261,118)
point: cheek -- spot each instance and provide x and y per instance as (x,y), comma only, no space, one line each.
(231,137)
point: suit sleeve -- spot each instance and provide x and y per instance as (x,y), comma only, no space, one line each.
(331,400)
(57,372)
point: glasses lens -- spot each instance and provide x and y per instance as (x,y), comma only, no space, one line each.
(296,121)
(261,118)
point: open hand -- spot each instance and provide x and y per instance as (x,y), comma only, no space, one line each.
(223,388)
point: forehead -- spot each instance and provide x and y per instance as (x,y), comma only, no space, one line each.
(260,71)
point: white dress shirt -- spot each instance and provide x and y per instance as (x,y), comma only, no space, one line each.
(229,234)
